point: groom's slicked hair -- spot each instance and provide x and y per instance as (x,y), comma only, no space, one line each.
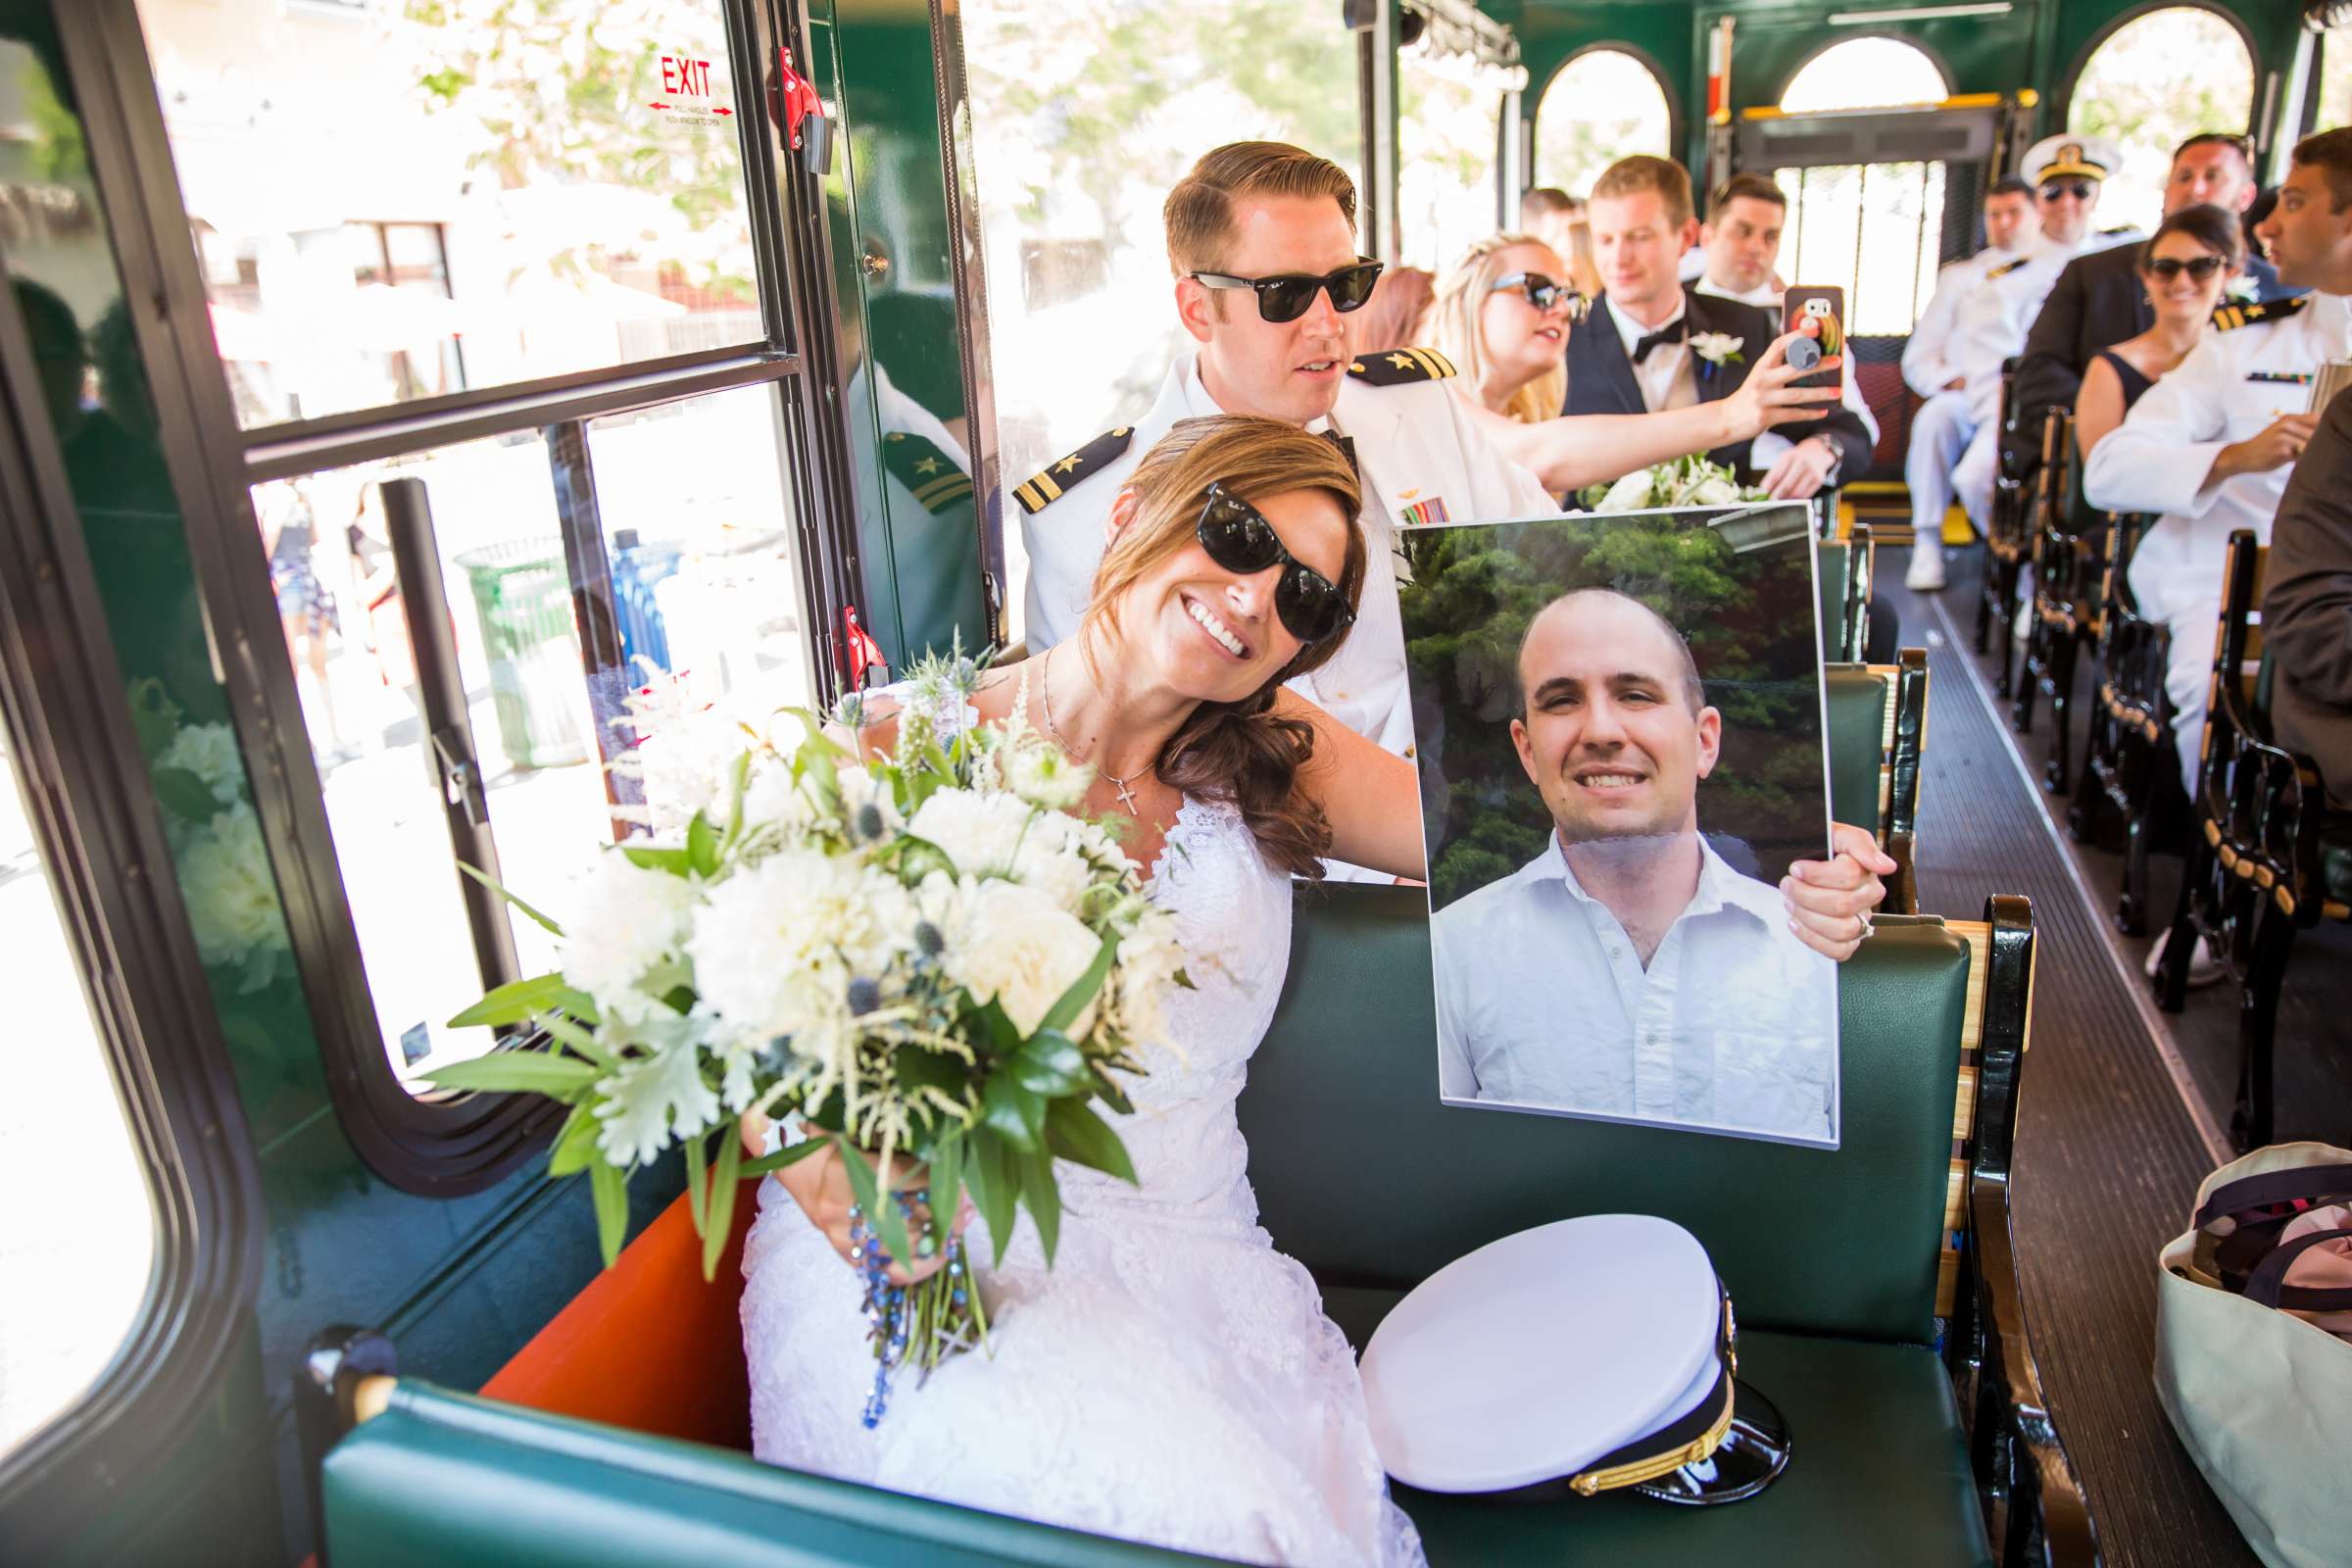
(1694,689)
(1198,212)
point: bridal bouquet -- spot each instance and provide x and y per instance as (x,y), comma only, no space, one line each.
(922,954)
(1691,481)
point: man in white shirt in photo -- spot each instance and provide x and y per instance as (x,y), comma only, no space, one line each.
(1628,971)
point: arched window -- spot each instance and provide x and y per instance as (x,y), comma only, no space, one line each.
(1865,73)
(2155,81)
(1601,106)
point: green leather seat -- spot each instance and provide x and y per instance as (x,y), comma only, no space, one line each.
(2335,859)
(1857,696)
(1833,558)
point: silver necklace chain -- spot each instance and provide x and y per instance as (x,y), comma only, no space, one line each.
(1126,795)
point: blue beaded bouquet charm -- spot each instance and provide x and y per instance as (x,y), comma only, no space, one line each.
(927,1321)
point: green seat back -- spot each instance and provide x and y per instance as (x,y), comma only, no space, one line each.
(1364,1177)
(1833,558)
(1857,697)
(448,1478)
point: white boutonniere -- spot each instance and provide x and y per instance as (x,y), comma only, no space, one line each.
(2243,287)
(1717,348)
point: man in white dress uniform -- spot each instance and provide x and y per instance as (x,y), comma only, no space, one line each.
(1927,367)
(1955,437)
(1261,211)
(1736,257)
(2210,447)
(1627,971)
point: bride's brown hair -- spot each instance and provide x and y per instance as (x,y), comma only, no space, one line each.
(1239,751)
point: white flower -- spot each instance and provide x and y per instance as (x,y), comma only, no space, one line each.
(1045,777)
(1019,947)
(775,946)
(651,1100)
(995,835)
(1716,348)
(770,798)
(232,902)
(1149,960)
(1714,491)
(209,752)
(623,921)
(2243,287)
(1629,494)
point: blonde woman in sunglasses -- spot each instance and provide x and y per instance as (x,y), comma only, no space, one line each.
(1503,316)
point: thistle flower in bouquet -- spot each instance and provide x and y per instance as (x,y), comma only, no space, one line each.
(912,951)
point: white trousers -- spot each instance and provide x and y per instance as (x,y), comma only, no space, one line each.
(1972,475)
(1940,433)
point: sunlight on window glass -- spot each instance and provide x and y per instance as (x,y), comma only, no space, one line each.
(2153,84)
(1872,230)
(2335,80)
(1446,134)
(1865,73)
(1082,116)
(77,1259)
(1600,107)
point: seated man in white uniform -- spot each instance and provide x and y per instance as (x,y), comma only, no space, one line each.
(1928,367)
(1627,971)
(1736,257)
(2210,446)
(1261,238)
(1954,438)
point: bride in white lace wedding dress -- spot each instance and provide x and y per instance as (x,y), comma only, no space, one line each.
(1172,1378)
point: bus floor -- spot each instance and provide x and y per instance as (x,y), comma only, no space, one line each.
(2110,1146)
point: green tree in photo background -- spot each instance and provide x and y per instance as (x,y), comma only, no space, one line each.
(1747,616)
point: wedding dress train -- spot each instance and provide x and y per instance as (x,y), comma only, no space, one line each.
(1172,1379)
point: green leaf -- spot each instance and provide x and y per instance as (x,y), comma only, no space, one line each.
(1044,1199)
(766,1165)
(575,1145)
(726,1181)
(677,862)
(743,780)
(579,1040)
(610,1188)
(518,1000)
(918,1067)
(1017,1115)
(185,794)
(998,1035)
(1107,1091)
(528,1072)
(492,883)
(947,1186)
(1082,991)
(702,846)
(1049,1063)
(816,736)
(996,1186)
(881,1214)
(695,1163)
(1076,1134)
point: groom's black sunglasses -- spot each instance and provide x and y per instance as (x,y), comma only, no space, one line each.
(1287,296)
(1240,540)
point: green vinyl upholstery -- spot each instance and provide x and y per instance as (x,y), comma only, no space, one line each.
(1833,560)
(1857,697)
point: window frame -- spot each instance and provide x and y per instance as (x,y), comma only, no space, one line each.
(1677,126)
(449,1145)
(2062,106)
(92,814)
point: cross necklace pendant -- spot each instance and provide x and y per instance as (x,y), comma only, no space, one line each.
(1117,784)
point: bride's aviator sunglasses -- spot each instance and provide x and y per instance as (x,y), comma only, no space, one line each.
(1240,540)
(1286,296)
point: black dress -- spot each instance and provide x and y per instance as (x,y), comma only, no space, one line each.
(2134,382)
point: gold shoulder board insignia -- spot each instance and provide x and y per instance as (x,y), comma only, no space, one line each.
(2006,268)
(1050,482)
(921,466)
(1400,366)
(2231,316)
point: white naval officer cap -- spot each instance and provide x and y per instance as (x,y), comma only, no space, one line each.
(2072,154)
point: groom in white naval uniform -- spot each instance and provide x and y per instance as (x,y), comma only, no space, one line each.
(2210,447)
(1254,212)
(1627,971)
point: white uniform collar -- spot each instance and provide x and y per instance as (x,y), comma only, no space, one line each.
(1198,405)
(1763,296)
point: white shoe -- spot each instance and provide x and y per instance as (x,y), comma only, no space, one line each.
(2203,967)
(1927,568)
(2020,629)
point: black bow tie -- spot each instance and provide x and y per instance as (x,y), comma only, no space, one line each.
(1672,332)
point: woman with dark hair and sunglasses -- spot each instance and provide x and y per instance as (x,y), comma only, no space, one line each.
(2184,266)
(1171,1378)
(1503,316)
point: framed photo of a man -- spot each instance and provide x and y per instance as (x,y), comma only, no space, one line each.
(1622,746)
